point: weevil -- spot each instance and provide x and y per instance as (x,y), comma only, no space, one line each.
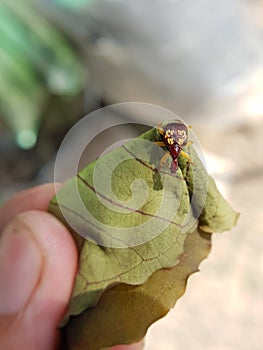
(174,136)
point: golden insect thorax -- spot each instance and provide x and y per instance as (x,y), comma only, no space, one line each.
(171,136)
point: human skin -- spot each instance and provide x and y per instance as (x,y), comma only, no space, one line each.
(38,264)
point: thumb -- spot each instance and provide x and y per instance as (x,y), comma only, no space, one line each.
(38,262)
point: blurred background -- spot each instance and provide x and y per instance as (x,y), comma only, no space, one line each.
(203,60)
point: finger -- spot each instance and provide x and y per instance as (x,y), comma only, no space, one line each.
(35,198)
(38,262)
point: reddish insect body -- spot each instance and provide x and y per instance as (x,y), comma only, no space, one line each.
(174,137)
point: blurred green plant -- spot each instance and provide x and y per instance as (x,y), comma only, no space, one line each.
(36,60)
(76,4)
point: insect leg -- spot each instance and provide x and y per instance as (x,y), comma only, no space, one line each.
(164,158)
(189,143)
(185,155)
(159,143)
(160,129)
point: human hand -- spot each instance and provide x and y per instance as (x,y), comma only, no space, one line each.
(38,263)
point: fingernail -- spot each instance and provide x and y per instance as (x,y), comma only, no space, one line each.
(20,266)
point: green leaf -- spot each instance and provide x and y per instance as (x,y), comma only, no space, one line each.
(143,227)
(145,233)
(124,312)
(217,216)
